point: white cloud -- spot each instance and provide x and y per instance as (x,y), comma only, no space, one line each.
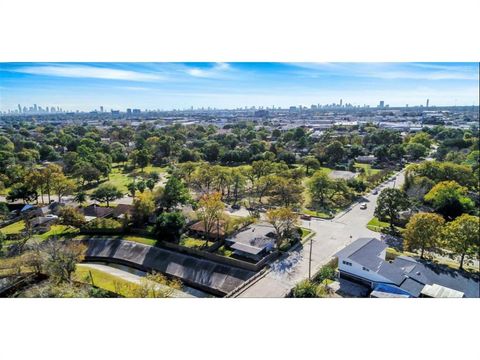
(83,71)
(392,71)
(216,71)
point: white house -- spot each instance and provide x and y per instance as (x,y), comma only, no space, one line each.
(363,261)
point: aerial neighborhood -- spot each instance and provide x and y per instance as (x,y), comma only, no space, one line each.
(319,201)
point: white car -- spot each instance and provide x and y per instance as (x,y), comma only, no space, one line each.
(363,206)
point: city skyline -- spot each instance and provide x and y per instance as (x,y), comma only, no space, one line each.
(167,86)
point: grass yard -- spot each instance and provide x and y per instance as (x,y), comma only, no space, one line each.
(60,231)
(368,168)
(138,239)
(15,228)
(194,243)
(305,232)
(103,280)
(377,225)
(320,214)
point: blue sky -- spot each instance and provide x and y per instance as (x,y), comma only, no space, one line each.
(87,86)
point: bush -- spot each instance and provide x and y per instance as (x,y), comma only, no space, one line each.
(103,226)
(305,289)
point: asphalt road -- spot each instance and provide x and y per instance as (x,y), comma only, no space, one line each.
(330,236)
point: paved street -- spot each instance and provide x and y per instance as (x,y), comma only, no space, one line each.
(331,236)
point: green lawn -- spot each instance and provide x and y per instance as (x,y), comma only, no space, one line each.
(194,243)
(138,239)
(320,214)
(60,231)
(103,280)
(14,228)
(305,232)
(368,168)
(377,225)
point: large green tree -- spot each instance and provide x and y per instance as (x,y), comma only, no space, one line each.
(423,232)
(106,193)
(462,236)
(389,204)
(450,199)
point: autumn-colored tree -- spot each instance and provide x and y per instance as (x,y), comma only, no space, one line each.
(211,211)
(423,232)
(462,236)
(283,221)
(143,207)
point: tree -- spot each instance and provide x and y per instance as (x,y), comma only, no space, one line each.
(175,193)
(169,226)
(210,211)
(80,197)
(143,207)
(449,199)
(416,151)
(21,191)
(310,162)
(390,202)
(106,193)
(462,236)
(60,259)
(423,232)
(324,190)
(283,221)
(49,174)
(286,192)
(62,186)
(334,152)
(71,216)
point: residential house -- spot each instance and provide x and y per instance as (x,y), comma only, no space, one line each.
(254,242)
(363,262)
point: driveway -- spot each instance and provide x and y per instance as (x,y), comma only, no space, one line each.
(330,236)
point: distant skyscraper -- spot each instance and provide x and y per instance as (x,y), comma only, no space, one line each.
(19,108)
(382,104)
(101,108)
(341,101)
(428,102)
(35,107)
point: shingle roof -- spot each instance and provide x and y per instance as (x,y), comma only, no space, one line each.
(362,248)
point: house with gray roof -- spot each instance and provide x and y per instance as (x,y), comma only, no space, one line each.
(363,261)
(253,242)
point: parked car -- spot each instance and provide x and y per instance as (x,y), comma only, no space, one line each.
(235,207)
(363,206)
(375,192)
(305,217)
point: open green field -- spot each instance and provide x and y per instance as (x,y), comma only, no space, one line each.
(14,228)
